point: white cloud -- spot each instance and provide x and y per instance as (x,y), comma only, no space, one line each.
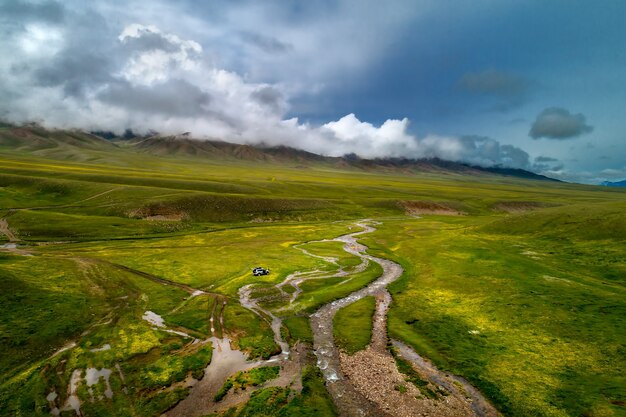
(613,173)
(390,139)
(41,40)
(158,61)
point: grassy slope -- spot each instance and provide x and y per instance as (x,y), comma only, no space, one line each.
(535,319)
(544,290)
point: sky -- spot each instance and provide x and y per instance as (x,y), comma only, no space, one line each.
(538,85)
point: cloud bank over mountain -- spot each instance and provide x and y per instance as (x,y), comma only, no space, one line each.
(146,79)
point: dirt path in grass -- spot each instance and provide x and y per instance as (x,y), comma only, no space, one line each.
(14,240)
(6,230)
(67,205)
(369,383)
(192,291)
(12,237)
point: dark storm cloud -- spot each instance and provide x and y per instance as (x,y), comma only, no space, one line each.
(486,151)
(150,41)
(265,43)
(559,123)
(171,98)
(546,168)
(269,96)
(86,59)
(21,11)
(509,90)
(546,163)
(545,159)
(75,71)
(514,157)
(497,83)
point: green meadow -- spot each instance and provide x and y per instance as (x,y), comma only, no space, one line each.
(523,293)
(353,325)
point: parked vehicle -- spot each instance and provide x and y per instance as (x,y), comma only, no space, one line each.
(258,271)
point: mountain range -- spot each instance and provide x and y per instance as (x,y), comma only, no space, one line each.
(79,145)
(614,183)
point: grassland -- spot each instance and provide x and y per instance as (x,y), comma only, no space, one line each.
(533,316)
(528,305)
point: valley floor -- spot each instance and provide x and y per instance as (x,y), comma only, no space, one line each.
(128,291)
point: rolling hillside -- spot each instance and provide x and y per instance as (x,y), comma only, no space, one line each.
(77,145)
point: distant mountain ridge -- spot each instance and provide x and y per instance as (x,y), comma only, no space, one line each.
(614,183)
(183,145)
(64,144)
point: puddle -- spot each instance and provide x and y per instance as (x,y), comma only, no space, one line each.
(153,318)
(92,377)
(73,402)
(101,349)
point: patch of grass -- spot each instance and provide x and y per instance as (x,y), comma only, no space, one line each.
(160,402)
(94,305)
(173,367)
(42,225)
(253,334)
(400,388)
(50,298)
(256,376)
(194,314)
(251,378)
(221,393)
(352,325)
(314,400)
(318,292)
(265,402)
(218,261)
(298,329)
(333,250)
(576,222)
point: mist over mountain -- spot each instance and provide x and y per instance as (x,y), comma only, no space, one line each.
(72,144)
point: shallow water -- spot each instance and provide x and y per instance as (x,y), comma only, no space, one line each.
(93,375)
(225,362)
(348,400)
(153,318)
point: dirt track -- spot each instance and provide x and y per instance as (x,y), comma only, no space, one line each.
(5,230)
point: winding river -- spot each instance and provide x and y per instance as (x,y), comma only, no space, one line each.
(346,397)
(363,393)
